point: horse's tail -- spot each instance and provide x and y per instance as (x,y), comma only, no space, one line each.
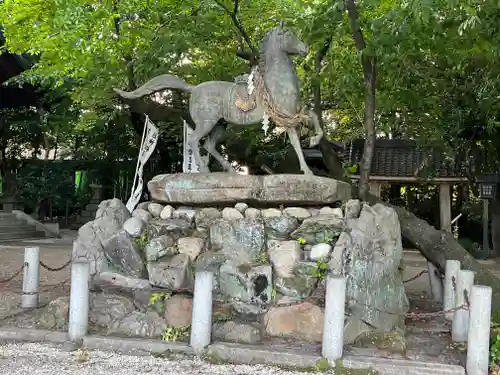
(165,81)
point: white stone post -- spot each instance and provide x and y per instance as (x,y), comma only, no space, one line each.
(333,326)
(478,343)
(31,277)
(201,323)
(435,282)
(460,324)
(451,273)
(79,301)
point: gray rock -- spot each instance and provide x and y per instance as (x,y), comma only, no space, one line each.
(250,288)
(210,260)
(242,207)
(320,251)
(159,247)
(353,328)
(178,311)
(138,324)
(236,332)
(280,227)
(270,212)
(167,212)
(215,188)
(135,227)
(173,273)
(185,213)
(139,290)
(205,217)
(110,217)
(301,284)
(173,227)
(155,209)
(144,205)
(298,212)
(191,246)
(104,308)
(352,209)
(319,229)
(230,214)
(338,255)
(55,315)
(331,211)
(304,321)
(89,245)
(374,283)
(142,214)
(313,211)
(240,240)
(123,255)
(252,213)
(284,257)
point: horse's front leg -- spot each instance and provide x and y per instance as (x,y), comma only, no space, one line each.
(295,141)
(313,118)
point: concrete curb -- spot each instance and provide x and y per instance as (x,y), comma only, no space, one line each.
(234,353)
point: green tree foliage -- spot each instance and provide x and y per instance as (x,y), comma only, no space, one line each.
(436,61)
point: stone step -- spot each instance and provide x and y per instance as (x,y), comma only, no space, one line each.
(16,229)
(12,223)
(21,235)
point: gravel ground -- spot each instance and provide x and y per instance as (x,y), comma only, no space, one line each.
(40,359)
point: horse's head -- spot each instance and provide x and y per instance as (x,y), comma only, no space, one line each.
(283,38)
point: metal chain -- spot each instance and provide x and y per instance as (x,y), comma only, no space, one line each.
(57,268)
(416,276)
(14,275)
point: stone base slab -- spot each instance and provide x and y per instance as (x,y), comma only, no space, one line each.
(235,353)
(228,188)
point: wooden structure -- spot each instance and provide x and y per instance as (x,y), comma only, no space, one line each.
(12,97)
(399,161)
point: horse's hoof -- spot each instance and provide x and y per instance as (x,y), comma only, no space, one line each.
(314,141)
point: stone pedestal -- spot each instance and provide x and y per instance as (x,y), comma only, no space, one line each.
(227,188)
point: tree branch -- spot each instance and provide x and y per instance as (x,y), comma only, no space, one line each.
(233,14)
(369,74)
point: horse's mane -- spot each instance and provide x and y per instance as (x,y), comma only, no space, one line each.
(264,44)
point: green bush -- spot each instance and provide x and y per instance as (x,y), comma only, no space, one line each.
(495,340)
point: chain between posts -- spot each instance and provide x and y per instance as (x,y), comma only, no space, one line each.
(10,278)
(266,306)
(57,269)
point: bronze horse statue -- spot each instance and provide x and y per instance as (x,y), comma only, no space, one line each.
(275,94)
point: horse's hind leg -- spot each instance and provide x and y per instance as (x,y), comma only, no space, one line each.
(211,146)
(295,141)
(317,128)
(202,129)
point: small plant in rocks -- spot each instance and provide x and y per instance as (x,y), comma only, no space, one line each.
(320,270)
(173,334)
(142,241)
(157,300)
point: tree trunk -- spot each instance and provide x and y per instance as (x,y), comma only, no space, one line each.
(438,246)
(370,76)
(495,226)
(330,158)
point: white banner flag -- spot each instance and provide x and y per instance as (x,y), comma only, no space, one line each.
(148,145)
(189,165)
